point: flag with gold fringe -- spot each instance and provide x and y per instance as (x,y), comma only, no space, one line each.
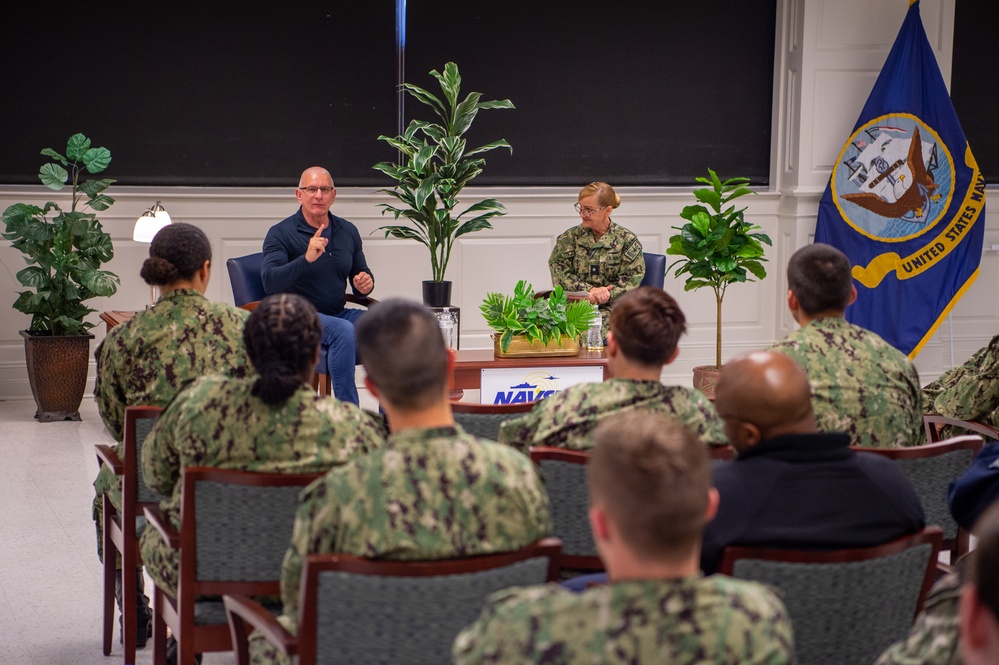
(906,200)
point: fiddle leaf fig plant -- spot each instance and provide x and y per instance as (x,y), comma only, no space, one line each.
(64,253)
(717,245)
(541,320)
(437,167)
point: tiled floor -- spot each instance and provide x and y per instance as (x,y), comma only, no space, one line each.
(50,577)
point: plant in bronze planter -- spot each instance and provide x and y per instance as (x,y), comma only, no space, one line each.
(437,167)
(64,254)
(717,245)
(542,319)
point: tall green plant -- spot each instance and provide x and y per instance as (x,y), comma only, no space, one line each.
(717,244)
(436,168)
(64,254)
(539,319)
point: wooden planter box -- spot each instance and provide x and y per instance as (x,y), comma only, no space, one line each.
(521,348)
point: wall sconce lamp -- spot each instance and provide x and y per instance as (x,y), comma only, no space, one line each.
(149,223)
(146,228)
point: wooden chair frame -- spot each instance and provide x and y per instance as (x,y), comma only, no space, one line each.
(246,614)
(178,612)
(120,533)
(960,544)
(539,454)
(933,423)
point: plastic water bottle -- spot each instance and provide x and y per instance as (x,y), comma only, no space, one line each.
(447,322)
(594,335)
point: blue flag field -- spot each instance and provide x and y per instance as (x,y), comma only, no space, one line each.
(906,200)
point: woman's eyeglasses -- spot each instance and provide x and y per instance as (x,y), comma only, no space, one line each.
(586,211)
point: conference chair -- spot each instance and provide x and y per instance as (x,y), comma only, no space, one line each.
(655,270)
(930,469)
(484,420)
(655,275)
(355,610)
(248,291)
(934,425)
(849,605)
(235,530)
(564,475)
(122,528)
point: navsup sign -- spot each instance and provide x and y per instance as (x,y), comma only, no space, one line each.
(517,386)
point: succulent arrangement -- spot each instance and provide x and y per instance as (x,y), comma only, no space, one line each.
(544,319)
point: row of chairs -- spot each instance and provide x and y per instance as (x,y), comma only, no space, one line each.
(846,606)
(215,496)
(235,530)
(930,468)
(121,529)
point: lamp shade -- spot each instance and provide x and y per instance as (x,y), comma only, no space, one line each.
(150,223)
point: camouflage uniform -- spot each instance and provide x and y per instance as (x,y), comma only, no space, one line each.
(861,385)
(146,360)
(933,638)
(428,494)
(579,262)
(565,419)
(715,619)
(216,422)
(971,391)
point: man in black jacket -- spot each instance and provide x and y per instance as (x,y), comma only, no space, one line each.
(791,485)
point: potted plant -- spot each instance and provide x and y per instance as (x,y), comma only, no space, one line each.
(64,255)
(530,326)
(718,247)
(437,167)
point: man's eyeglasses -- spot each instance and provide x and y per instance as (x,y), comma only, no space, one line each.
(586,212)
(311,191)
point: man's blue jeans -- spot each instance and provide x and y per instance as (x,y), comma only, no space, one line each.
(341,351)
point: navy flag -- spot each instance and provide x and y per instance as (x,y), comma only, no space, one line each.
(906,201)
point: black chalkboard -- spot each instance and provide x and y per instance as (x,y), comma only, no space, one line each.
(249,95)
(974,86)
(225,94)
(632,93)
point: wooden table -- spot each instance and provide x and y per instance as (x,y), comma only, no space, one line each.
(114,317)
(469,364)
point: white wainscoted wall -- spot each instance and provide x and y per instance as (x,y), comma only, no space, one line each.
(828,54)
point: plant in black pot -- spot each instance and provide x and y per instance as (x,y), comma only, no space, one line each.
(64,254)
(436,167)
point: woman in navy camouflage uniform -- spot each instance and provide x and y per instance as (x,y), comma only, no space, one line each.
(273,422)
(147,359)
(598,256)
